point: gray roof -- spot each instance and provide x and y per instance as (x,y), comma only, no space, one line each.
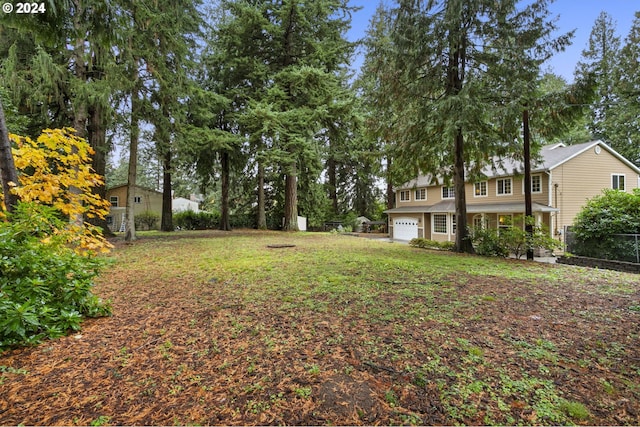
(551,156)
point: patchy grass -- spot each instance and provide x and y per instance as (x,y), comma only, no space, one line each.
(218,328)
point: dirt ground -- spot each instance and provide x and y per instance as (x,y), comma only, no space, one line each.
(178,354)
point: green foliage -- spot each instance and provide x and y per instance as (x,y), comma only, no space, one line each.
(431,244)
(45,286)
(147,219)
(189,220)
(512,239)
(601,219)
(487,242)
(575,410)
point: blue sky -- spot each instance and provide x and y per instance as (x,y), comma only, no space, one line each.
(572,14)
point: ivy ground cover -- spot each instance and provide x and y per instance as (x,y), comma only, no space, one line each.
(248,328)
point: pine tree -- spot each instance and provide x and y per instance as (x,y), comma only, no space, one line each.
(599,60)
(625,113)
(465,71)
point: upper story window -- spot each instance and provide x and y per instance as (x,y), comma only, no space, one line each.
(405,195)
(137,199)
(421,194)
(114,201)
(536,183)
(617,182)
(480,189)
(448,192)
(504,187)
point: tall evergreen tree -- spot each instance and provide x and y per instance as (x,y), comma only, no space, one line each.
(599,61)
(625,113)
(466,70)
(307,51)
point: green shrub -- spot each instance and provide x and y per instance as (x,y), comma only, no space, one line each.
(512,239)
(487,242)
(431,244)
(45,286)
(600,221)
(189,220)
(146,220)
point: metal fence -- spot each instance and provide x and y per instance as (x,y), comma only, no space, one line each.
(619,247)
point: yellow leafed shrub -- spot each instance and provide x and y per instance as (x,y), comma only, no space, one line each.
(55,170)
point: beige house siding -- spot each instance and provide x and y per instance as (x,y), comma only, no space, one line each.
(149,201)
(517,195)
(434,193)
(582,178)
(571,176)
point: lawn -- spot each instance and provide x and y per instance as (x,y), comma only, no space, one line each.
(219,328)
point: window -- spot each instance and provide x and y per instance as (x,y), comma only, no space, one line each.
(480,189)
(617,182)
(504,187)
(453,224)
(448,192)
(440,223)
(421,194)
(505,221)
(536,183)
(137,199)
(405,196)
(478,223)
(114,201)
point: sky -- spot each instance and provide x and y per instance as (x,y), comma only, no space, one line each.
(572,14)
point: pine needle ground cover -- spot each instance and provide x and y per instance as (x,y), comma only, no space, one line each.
(247,328)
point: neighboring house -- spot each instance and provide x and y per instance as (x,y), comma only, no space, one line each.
(180,204)
(145,200)
(561,183)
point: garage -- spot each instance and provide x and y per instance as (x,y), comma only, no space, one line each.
(405,228)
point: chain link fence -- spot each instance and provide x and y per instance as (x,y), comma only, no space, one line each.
(618,247)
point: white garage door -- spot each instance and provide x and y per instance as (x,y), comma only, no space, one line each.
(405,228)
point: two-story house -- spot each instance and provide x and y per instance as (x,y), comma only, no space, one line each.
(561,183)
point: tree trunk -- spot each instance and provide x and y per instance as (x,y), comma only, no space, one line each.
(167,214)
(224,214)
(97,139)
(130,227)
(8,172)
(333,184)
(262,216)
(528,208)
(391,196)
(291,199)
(455,73)
(463,243)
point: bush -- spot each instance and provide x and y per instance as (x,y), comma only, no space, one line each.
(487,242)
(189,220)
(512,240)
(603,218)
(431,244)
(146,220)
(45,286)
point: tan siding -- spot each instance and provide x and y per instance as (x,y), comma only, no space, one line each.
(149,200)
(583,178)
